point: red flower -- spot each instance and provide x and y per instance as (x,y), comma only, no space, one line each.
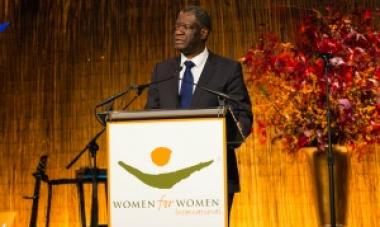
(347,72)
(367,15)
(303,141)
(284,63)
(291,79)
(328,45)
(377,73)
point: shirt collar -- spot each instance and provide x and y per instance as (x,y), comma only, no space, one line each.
(198,60)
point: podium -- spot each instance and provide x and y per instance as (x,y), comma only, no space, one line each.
(167,168)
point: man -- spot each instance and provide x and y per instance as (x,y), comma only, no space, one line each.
(197,67)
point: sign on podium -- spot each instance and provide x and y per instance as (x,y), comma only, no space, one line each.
(167,168)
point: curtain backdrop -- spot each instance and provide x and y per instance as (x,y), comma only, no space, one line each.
(60,58)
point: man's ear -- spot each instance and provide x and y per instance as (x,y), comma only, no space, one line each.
(204,33)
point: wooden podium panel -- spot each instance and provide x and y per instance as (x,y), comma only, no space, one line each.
(167,172)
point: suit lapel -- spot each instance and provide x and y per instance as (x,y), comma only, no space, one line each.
(206,75)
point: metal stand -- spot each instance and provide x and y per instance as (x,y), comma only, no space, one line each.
(82,176)
(93,147)
(330,155)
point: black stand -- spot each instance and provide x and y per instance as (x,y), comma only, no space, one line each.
(93,147)
(330,155)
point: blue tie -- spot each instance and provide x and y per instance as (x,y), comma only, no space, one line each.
(186,92)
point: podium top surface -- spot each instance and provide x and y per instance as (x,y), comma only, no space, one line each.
(162,114)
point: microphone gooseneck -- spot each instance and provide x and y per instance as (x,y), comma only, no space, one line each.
(226,97)
(214,92)
(138,88)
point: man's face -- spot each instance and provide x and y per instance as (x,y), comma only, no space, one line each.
(189,37)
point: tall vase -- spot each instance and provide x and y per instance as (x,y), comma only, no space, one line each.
(320,177)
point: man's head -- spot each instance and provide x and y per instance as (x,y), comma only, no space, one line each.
(192,28)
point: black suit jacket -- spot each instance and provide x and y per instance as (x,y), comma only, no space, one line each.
(219,74)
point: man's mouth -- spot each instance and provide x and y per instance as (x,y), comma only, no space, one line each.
(179,41)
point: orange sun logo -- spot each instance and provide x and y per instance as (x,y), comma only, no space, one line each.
(161,156)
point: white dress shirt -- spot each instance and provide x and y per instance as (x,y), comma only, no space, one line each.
(199,61)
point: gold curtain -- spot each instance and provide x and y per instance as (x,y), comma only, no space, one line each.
(60,58)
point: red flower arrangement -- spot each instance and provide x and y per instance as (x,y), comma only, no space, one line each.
(291,81)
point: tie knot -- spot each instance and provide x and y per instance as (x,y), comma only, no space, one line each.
(189,64)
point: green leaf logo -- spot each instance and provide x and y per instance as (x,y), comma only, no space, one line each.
(161,156)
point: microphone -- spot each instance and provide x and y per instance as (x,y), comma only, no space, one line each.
(214,92)
(229,108)
(113,97)
(242,106)
(218,93)
(138,88)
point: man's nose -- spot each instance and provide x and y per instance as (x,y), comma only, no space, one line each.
(178,31)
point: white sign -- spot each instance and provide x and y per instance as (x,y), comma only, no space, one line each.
(167,173)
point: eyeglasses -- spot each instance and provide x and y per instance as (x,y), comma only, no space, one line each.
(185,27)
